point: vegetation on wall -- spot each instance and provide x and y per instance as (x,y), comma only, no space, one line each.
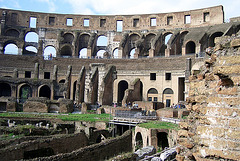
(64,117)
(159,125)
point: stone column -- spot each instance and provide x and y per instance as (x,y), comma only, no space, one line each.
(151,53)
(36,71)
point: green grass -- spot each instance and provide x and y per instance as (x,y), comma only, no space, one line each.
(64,117)
(159,125)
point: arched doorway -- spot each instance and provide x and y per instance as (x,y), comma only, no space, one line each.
(152,95)
(162,140)
(49,52)
(190,48)
(45,91)
(25,92)
(138,141)
(212,37)
(5,90)
(122,86)
(66,51)
(168,97)
(102,41)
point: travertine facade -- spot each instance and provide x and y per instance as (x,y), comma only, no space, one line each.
(137,59)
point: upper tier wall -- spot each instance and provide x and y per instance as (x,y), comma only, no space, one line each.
(192,18)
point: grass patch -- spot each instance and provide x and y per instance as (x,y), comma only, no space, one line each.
(10,136)
(64,117)
(159,125)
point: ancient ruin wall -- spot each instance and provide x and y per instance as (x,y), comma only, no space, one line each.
(199,17)
(212,129)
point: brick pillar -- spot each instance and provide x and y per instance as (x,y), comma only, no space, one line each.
(151,53)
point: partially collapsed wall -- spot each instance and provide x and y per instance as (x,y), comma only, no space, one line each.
(212,131)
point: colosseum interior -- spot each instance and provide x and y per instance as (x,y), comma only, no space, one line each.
(63,60)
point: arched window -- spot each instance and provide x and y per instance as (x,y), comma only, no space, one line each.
(45,91)
(102,41)
(30,50)
(167,38)
(83,53)
(168,91)
(190,48)
(62,81)
(152,95)
(12,32)
(31,37)
(115,53)
(11,49)
(132,52)
(68,38)
(66,51)
(49,52)
(100,53)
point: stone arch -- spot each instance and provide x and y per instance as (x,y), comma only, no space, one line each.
(48,51)
(212,37)
(30,50)
(101,54)
(31,37)
(148,43)
(62,81)
(115,53)
(66,51)
(45,91)
(68,38)
(25,91)
(132,53)
(138,141)
(122,86)
(181,42)
(12,32)
(166,37)
(152,94)
(83,53)
(162,140)
(168,97)
(83,41)
(5,90)
(102,40)
(10,47)
(190,47)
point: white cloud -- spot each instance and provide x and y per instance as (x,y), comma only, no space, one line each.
(115,7)
(51,4)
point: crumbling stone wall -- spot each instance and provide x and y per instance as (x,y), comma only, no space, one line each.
(59,144)
(97,152)
(211,131)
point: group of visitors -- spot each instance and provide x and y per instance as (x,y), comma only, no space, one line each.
(178,105)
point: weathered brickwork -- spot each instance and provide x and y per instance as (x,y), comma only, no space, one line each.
(214,102)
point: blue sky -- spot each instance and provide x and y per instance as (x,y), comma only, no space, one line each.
(113,7)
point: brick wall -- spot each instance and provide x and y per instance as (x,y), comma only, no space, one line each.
(212,129)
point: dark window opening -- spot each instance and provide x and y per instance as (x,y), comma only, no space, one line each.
(162,138)
(169,20)
(168,76)
(168,102)
(14,18)
(46,75)
(155,99)
(136,22)
(102,22)
(206,17)
(149,98)
(51,20)
(27,74)
(152,76)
